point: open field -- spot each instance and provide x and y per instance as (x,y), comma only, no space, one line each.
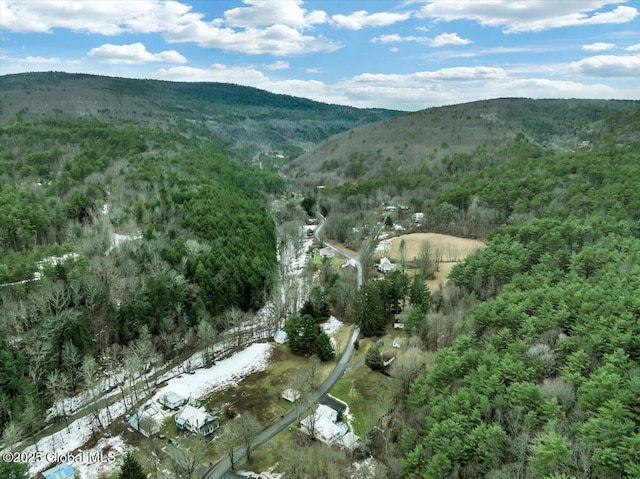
(449,249)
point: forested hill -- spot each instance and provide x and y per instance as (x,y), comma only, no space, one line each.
(119,240)
(534,344)
(248,120)
(458,138)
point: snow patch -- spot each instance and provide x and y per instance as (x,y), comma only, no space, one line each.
(224,374)
(331,326)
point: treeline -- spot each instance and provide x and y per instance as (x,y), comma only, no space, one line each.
(199,250)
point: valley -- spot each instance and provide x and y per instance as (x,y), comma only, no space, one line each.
(325,291)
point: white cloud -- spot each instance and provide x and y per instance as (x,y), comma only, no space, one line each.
(530,15)
(277,40)
(314,70)
(362,19)
(598,47)
(633,48)
(278,65)
(31,60)
(394,49)
(461,74)
(134,53)
(247,75)
(105,18)
(449,39)
(396,38)
(608,66)
(240,30)
(439,41)
(215,73)
(273,12)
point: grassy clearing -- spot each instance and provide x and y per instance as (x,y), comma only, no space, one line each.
(367,393)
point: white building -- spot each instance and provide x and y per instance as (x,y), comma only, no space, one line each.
(322,425)
(386,266)
(196,420)
(171,400)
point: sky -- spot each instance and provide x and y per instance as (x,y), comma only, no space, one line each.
(404,55)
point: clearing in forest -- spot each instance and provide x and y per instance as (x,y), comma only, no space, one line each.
(448,249)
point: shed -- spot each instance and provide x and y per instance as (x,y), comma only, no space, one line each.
(171,400)
(291,395)
(61,471)
(387,358)
(280,337)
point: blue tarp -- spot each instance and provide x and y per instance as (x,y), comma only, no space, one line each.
(61,471)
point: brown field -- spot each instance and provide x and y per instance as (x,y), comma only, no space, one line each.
(450,250)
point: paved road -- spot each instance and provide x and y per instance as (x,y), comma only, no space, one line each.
(220,469)
(355,258)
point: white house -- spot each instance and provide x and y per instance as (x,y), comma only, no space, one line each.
(322,425)
(172,400)
(386,266)
(417,217)
(196,420)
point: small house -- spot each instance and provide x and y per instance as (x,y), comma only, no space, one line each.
(144,423)
(386,266)
(61,471)
(326,252)
(196,420)
(172,400)
(417,217)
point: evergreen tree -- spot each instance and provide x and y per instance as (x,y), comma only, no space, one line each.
(131,468)
(373,358)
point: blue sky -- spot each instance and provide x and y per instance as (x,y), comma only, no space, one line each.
(404,55)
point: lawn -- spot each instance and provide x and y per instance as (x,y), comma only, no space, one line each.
(368,393)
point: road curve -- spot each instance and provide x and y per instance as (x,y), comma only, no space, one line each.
(220,469)
(355,258)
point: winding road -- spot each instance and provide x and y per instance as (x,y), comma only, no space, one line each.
(221,469)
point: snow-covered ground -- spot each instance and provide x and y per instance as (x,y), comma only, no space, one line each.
(224,374)
(118,239)
(383,247)
(332,325)
(49,260)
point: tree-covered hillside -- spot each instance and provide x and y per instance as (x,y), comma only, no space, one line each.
(257,125)
(120,244)
(536,340)
(441,141)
